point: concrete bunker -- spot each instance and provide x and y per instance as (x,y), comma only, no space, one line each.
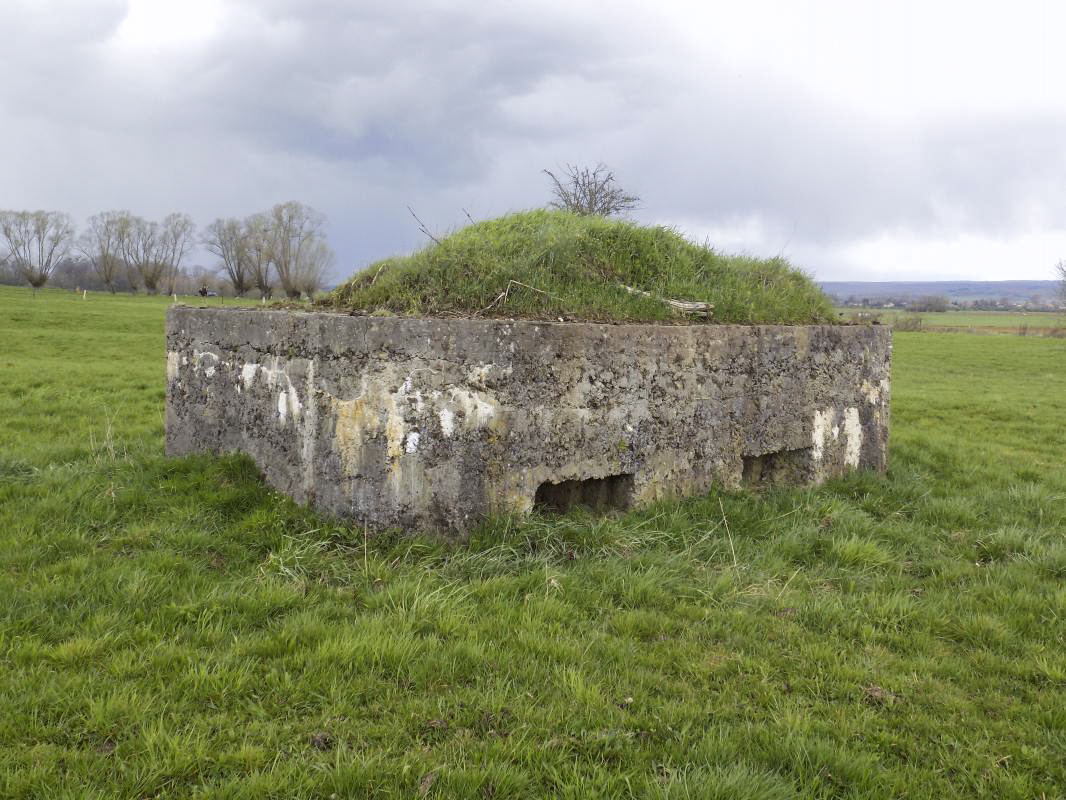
(433,424)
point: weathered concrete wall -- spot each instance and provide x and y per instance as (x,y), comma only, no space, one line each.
(432,423)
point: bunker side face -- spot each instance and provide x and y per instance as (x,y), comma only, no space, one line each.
(433,424)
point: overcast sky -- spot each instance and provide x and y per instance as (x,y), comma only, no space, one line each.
(863,140)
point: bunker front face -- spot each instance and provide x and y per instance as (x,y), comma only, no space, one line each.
(433,424)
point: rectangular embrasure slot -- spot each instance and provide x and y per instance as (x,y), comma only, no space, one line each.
(611,492)
(780,468)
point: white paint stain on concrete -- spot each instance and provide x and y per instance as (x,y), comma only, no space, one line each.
(478,408)
(310,431)
(204,360)
(172,365)
(400,414)
(875,393)
(248,375)
(477,376)
(447,421)
(289,404)
(410,444)
(274,373)
(823,426)
(853,437)
(295,406)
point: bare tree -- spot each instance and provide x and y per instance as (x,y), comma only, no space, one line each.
(294,229)
(175,235)
(155,251)
(101,245)
(257,235)
(133,277)
(36,242)
(315,261)
(140,246)
(8,273)
(590,192)
(1061,269)
(228,239)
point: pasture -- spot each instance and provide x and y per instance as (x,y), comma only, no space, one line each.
(999,320)
(171,628)
(1031,323)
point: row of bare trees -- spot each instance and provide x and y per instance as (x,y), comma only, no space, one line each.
(284,247)
(148,253)
(285,244)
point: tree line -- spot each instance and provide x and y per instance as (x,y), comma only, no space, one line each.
(283,248)
(937,303)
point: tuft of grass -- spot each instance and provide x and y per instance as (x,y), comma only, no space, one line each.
(552,264)
(171,628)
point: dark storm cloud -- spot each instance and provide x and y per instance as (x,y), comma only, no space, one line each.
(361,109)
(415,86)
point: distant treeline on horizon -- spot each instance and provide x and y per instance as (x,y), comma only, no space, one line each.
(1038,295)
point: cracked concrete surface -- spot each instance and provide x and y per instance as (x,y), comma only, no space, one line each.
(435,423)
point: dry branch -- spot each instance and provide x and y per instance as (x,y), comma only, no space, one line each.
(506,293)
(422,226)
(695,307)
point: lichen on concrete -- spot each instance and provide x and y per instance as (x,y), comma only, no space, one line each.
(435,423)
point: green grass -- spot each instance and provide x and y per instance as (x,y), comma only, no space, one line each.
(1035,322)
(995,319)
(549,264)
(170,628)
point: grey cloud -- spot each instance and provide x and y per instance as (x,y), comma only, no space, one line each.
(357,82)
(361,109)
(782,156)
(999,174)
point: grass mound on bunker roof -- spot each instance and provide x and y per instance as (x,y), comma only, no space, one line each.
(551,264)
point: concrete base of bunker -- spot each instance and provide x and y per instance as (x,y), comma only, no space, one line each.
(435,423)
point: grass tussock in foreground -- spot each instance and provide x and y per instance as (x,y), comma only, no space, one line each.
(172,629)
(551,264)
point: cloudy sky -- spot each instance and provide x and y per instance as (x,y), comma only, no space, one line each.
(864,140)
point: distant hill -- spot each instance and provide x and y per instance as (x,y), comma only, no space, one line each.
(959,291)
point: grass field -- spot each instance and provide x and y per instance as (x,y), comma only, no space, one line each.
(996,319)
(1032,322)
(172,629)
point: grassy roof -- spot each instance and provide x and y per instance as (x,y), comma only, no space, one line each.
(549,264)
